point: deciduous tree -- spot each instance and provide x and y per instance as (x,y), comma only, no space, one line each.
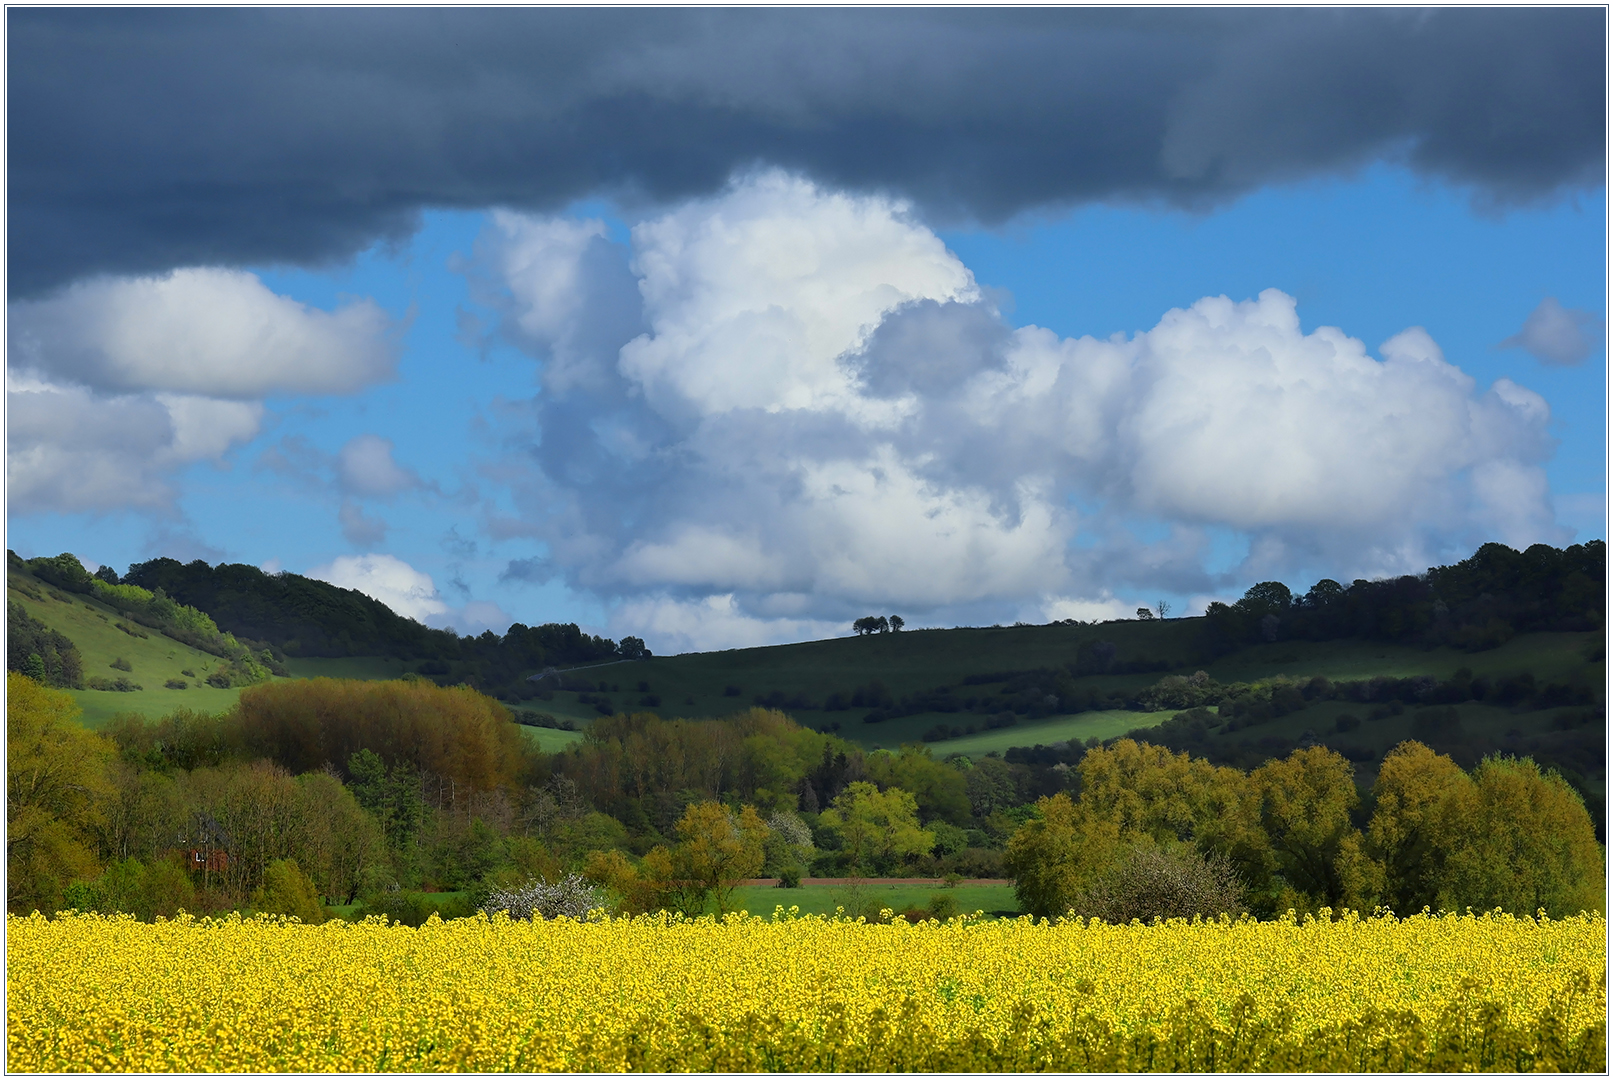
(57,780)
(877,827)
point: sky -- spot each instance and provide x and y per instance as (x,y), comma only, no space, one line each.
(724,328)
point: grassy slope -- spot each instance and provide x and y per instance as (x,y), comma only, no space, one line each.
(550,740)
(155,658)
(694,684)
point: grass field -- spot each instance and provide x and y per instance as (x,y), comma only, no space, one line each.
(996,900)
(154,658)
(550,740)
(1103,724)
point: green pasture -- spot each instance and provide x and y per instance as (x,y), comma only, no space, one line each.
(1102,724)
(154,658)
(1551,657)
(550,740)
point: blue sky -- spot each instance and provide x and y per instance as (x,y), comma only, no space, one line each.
(748,413)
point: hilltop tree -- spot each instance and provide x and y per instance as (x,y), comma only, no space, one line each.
(871,624)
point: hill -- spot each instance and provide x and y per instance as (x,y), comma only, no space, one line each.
(104,636)
(310,619)
(1502,652)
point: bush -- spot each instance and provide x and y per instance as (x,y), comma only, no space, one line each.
(1154,884)
(287,890)
(413,908)
(144,890)
(571,897)
(120,684)
(789,877)
(121,664)
(177,684)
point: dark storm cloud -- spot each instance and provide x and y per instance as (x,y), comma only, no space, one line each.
(142,140)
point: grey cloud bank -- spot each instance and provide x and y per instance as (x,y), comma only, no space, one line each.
(143,140)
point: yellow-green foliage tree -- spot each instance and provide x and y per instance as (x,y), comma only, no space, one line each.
(1507,836)
(718,848)
(939,788)
(288,891)
(1285,828)
(1055,856)
(1528,846)
(877,827)
(1317,853)
(1154,796)
(132,887)
(455,733)
(57,778)
(1419,801)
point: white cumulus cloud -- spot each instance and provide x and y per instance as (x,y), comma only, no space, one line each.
(204,331)
(69,449)
(388,579)
(815,410)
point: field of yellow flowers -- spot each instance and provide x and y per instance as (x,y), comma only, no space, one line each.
(806,993)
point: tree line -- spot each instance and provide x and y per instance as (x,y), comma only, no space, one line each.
(302,616)
(1294,834)
(373,795)
(1478,603)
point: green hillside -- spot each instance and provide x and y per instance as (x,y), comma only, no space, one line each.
(1501,653)
(153,658)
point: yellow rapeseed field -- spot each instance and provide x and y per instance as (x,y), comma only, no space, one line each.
(747,994)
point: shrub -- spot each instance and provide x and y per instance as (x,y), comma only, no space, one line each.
(177,684)
(120,684)
(188,672)
(1154,884)
(571,897)
(287,890)
(121,664)
(413,908)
